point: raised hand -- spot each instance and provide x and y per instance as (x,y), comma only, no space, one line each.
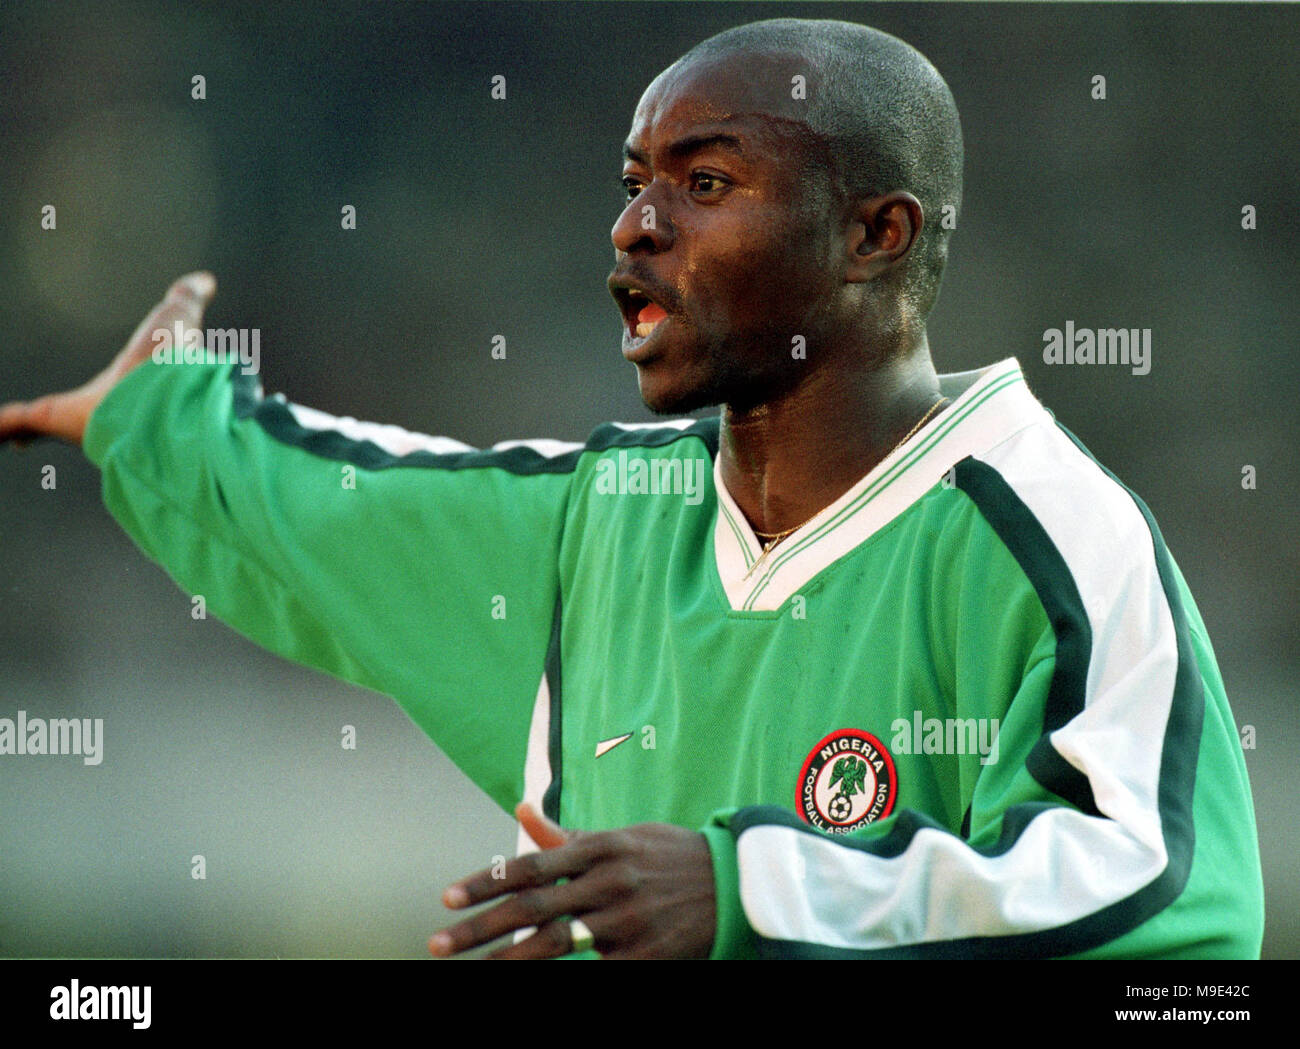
(64,415)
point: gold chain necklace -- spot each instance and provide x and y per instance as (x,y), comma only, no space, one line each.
(770,539)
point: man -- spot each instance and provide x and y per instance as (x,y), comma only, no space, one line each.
(880,663)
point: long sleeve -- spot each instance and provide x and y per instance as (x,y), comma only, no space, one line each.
(403,563)
(1116,820)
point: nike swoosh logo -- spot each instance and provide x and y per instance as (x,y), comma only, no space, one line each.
(605,746)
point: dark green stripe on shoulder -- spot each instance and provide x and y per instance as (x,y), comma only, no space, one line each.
(277,420)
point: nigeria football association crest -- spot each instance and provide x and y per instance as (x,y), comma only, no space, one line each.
(847,782)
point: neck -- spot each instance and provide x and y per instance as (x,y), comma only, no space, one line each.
(786,459)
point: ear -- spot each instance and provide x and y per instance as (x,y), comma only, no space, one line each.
(883,231)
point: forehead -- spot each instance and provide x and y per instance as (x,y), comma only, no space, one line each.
(752,93)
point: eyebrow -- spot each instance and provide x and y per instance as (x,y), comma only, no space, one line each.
(684,147)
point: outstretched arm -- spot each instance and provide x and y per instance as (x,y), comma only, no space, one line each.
(395,560)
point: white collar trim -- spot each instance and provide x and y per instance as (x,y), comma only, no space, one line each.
(989,406)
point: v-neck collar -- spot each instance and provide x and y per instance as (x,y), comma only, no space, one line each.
(988,406)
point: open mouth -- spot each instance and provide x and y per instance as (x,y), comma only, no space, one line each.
(641,314)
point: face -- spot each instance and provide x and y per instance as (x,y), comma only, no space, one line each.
(726,249)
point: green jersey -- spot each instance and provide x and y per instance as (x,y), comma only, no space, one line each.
(968,710)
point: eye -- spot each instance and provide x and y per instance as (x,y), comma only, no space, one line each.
(631,187)
(707,183)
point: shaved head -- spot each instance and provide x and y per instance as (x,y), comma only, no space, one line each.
(884,116)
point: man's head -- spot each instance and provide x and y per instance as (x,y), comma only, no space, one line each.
(786,179)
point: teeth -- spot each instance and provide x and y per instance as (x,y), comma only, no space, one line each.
(634,294)
(645,329)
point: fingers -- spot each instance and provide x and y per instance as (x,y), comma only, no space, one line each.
(24,421)
(64,415)
(13,422)
(523,872)
(199,286)
(644,891)
(546,833)
(549,941)
(184,302)
(540,907)
(534,897)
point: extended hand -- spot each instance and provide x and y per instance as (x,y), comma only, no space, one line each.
(644,892)
(64,415)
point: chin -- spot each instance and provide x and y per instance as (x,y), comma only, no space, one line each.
(674,397)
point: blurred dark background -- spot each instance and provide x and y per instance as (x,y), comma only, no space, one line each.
(479,217)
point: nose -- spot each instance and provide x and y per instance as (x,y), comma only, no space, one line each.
(644,224)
